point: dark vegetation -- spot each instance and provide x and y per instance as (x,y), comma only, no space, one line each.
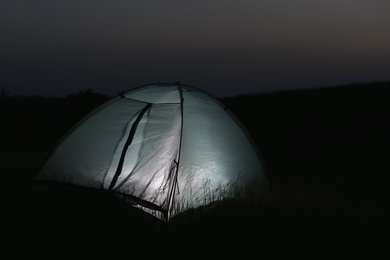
(326,152)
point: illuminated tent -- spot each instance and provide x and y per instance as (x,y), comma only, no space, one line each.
(166,147)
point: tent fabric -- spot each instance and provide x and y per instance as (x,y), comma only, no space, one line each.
(169,146)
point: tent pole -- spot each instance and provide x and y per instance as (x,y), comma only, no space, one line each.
(175,184)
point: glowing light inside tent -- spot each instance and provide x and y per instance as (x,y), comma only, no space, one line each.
(198,158)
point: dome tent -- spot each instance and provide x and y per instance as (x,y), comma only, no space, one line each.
(165,147)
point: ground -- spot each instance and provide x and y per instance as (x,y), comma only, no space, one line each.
(325,151)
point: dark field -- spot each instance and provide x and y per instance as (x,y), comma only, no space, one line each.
(326,152)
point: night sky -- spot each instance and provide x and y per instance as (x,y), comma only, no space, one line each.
(225,47)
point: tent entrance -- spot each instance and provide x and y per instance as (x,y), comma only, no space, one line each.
(146,163)
(127,144)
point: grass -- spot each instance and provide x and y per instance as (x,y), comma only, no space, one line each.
(292,218)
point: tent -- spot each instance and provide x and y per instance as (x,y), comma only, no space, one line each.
(166,147)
